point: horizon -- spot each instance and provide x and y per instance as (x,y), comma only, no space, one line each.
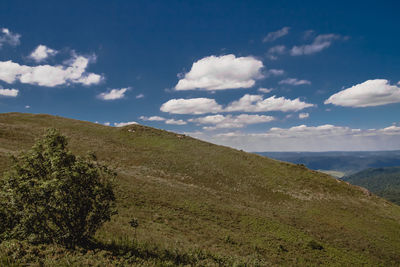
(261,77)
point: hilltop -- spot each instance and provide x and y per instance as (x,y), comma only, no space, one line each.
(200,203)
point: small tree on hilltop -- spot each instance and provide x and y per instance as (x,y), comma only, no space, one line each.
(51,195)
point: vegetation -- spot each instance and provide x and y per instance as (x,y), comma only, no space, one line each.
(384,182)
(208,205)
(50,195)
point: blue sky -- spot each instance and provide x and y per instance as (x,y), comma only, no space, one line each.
(259,76)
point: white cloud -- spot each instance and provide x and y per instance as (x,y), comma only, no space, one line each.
(367,94)
(278,49)
(304,115)
(167,121)
(152,118)
(265,90)
(90,79)
(191,106)
(229,121)
(139,96)
(27,106)
(50,76)
(41,53)
(391,130)
(276,72)
(107,123)
(175,122)
(320,43)
(304,130)
(113,94)
(309,138)
(9,92)
(294,81)
(122,124)
(222,72)
(273,52)
(247,103)
(256,103)
(7,37)
(272,36)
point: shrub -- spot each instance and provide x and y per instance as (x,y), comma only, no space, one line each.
(315,245)
(51,195)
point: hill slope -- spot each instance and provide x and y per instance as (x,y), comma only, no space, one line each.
(384,182)
(216,205)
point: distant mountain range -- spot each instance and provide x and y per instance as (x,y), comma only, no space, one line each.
(384,182)
(343,162)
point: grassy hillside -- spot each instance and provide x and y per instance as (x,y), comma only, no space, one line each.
(203,204)
(384,182)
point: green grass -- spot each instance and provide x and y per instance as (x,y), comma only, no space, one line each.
(212,205)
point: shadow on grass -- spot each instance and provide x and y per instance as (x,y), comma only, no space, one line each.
(120,251)
(127,248)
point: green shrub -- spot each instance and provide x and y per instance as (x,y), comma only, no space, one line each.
(51,195)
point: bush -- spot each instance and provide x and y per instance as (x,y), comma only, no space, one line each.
(51,195)
(315,245)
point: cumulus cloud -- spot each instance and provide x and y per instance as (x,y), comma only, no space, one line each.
(122,124)
(9,92)
(113,94)
(50,76)
(256,103)
(272,36)
(152,118)
(27,106)
(265,90)
(304,115)
(41,53)
(370,93)
(320,43)
(273,52)
(309,138)
(247,103)
(175,122)
(7,37)
(167,121)
(139,96)
(294,81)
(222,72)
(191,106)
(220,121)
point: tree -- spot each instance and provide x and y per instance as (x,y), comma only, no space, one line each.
(51,195)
